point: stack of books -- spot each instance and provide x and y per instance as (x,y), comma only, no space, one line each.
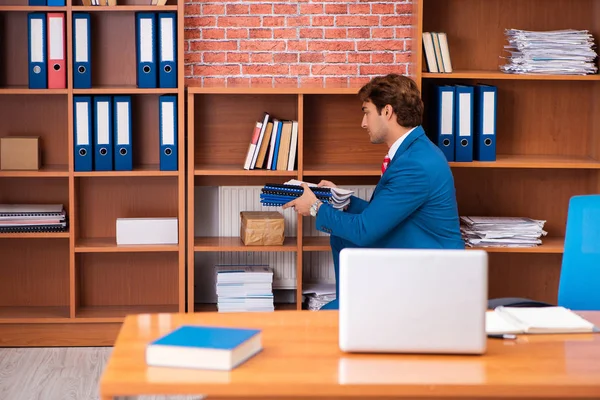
(561,52)
(501,231)
(24,218)
(244,288)
(278,194)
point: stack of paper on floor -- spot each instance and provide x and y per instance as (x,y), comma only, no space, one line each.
(501,231)
(243,288)
(316,295)
(204,347)
(535,320)
(28,218)
(274,194)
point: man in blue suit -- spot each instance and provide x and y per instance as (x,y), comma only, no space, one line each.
(414,202)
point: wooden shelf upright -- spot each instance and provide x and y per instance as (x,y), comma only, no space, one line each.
(74,288)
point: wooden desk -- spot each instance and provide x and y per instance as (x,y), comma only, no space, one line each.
(301,359)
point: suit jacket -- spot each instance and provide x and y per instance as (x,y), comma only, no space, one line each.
(413,205)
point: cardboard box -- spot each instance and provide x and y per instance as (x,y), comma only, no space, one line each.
(262,228)
(20,153)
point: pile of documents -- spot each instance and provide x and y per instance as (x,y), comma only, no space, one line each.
(316,295)
(561,52)
(243,288)
(276,194)
(22,218)
(501,231)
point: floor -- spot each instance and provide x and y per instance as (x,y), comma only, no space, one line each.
(70,373)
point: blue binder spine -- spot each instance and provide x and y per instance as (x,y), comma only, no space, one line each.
(167,53)
(168,132)
(444,120)
(82,129)
(486,97)
(122,133)
(82,51)
(464,123)
(37,50)
(37,2)
(146,49)
(103,147)
(56,3)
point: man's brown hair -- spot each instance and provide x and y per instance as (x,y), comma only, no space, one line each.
(400,92)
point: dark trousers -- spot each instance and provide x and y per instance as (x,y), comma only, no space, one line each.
(337,244)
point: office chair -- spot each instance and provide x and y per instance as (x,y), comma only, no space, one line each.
(579,284)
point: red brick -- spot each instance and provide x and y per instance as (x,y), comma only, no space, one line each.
(213,33)
(298,21)
(403,33)
(261,58)
(238,57)
(333,69)
(191,34)
(238,82)
(338,82)
(256,9)
(285,9)
(214,82)
(237,9)
(359,58)
(382,58)
(285,57)
(188,70)
(336,33)
(381,69)
(285,82)
(358,81)
(192,58)
(265,70)
(262,45)
(311,8)
(404,8)
(312,57)
(367,21)
(192,9)
(403,57)
(332,45)
(396,21)
(273,21)
(261,33)
(237,33)
(359,33)
(380,45)
(297,70)
(336,9)
(336,57)
(297,45)
(311,33)
(382,8)
(311,82)
(261,82)
(408,45)
(359,9)
(214,57)
(323,21)
(200,21)
(218,70)
(191,81)
(213,9)
(201,45)
(285,33)
(244,21)
(382,33)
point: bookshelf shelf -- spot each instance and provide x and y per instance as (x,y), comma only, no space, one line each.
(499,75)
(533,162)
(109,245)
(80,288)
(236,244)
(232,170)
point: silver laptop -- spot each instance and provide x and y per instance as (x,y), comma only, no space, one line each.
(413,301)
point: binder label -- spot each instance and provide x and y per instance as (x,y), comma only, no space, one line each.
(488,113)
(83,136)
(447,120)
(146,40)
(37,41)
(465,114)
(123,123)
(168,113)
(81,44)
(168,42)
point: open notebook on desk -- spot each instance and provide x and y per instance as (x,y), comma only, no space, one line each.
(536,320)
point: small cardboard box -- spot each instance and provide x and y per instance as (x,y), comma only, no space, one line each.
(20,153)
(262,228)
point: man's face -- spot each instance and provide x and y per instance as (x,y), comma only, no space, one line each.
(375,124)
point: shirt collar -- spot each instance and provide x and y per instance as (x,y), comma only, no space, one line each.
(394,148)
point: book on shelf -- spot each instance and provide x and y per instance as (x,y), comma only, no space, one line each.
(273,145)
(535,320)
(204,347)
(244,288)
(30,218)
(437,52)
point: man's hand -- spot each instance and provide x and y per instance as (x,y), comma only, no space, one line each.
(302,204)
(326,184)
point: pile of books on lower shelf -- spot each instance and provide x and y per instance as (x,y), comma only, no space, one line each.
(30,218)
(316,295)
(501,231)
(276,194)
(244,288)
(560,52)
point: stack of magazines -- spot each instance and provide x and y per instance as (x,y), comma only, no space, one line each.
(501,231)
(278,194)
(244,288)
(23,218)
(561,52)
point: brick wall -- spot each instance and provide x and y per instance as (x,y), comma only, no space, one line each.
(295,43)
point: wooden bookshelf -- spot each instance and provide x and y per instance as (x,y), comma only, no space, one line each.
(547,128)
(74,288)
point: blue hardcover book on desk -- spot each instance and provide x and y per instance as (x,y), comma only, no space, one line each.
(204,347)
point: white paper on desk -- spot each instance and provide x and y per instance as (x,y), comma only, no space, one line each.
(496,325)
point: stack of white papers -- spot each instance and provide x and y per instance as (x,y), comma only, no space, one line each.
(339,199)
(316,295)
(501,231)
(561,52)
(244,288)
(535,320)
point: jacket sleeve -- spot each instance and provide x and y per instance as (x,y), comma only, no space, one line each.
(403,193)
(357,205)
